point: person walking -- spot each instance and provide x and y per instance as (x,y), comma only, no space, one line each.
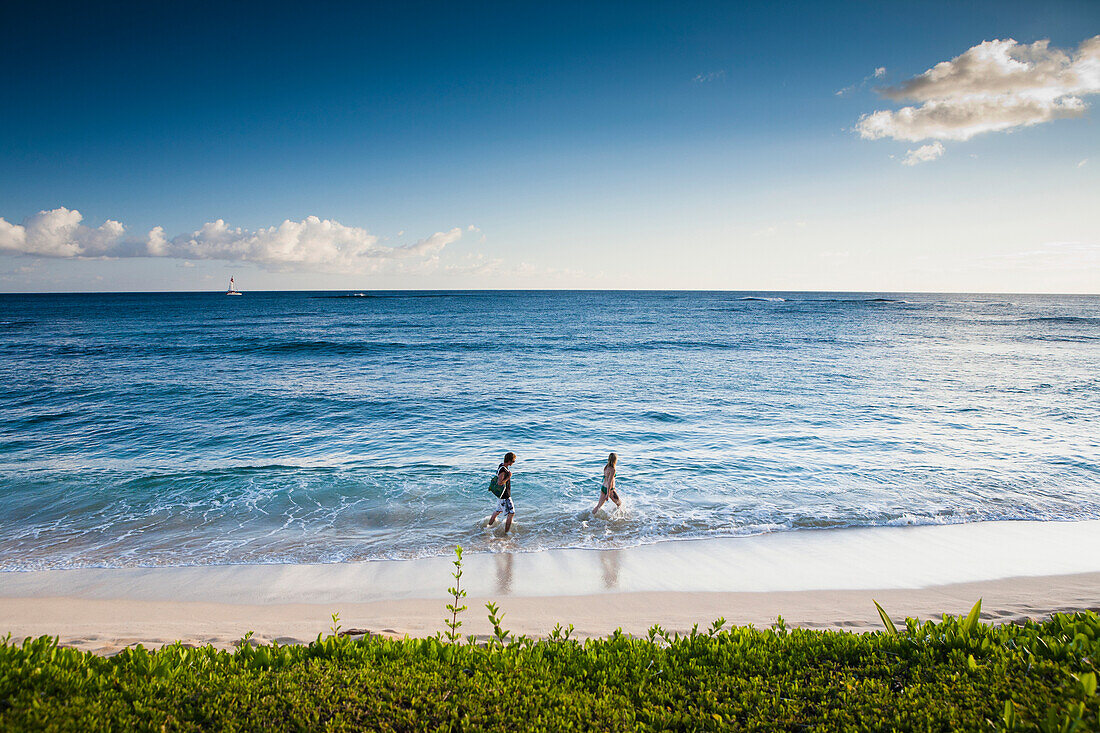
(503,482)
(607,489)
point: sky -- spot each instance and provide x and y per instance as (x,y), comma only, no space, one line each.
(867,146)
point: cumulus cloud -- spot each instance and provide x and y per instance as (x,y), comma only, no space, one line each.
(59,233)
(996,86)
(312,243)
(923,154)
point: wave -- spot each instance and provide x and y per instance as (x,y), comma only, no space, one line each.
(1068,320)
(394,296)
(662,417)
(851,300)
(229,348)
(322,347)
(1045,320)
(346,295)
(1066,338)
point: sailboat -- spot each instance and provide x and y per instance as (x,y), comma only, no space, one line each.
(233,289)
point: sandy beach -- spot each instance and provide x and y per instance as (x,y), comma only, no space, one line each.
(823,579)
(107,626)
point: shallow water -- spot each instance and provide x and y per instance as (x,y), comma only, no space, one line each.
(180,429)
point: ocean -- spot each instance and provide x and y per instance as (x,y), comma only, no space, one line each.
(172,429)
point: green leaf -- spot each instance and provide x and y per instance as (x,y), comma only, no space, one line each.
(1009,715)
(890,628)
(971,623)
(1088,683)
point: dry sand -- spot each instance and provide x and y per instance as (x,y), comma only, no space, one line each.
(106,626)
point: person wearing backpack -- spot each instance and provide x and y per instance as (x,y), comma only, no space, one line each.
(501,487)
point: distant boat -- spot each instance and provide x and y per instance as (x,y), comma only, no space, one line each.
(233,289)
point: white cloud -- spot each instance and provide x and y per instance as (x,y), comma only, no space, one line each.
(998,85)
(312,244)
(59,233)
(780,227)
(1048,256)
(709,76)
(923,154)
(1082,163)
(157,243)
(878,73)
(430,247)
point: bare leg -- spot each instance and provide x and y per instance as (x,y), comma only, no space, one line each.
(508,523)
(615,498)
(494,517)
(603,498)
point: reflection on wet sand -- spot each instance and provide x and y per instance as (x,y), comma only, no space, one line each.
(610,563)
(504,572)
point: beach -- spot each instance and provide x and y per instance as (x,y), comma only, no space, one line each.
(793,454)
(824,579)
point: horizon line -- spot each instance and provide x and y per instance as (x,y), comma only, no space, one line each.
(541,290)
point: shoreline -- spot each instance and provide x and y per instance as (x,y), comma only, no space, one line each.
(824,559)
(821,579)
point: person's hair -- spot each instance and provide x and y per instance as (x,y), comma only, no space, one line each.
(509,457)
(611,459)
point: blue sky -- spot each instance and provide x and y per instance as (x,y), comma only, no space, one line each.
(611,145)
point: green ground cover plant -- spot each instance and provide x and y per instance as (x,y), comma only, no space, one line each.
(948,675)
(955,674)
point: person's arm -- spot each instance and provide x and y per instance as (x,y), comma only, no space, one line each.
(504,476)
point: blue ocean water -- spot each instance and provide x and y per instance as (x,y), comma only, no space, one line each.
(180,429)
